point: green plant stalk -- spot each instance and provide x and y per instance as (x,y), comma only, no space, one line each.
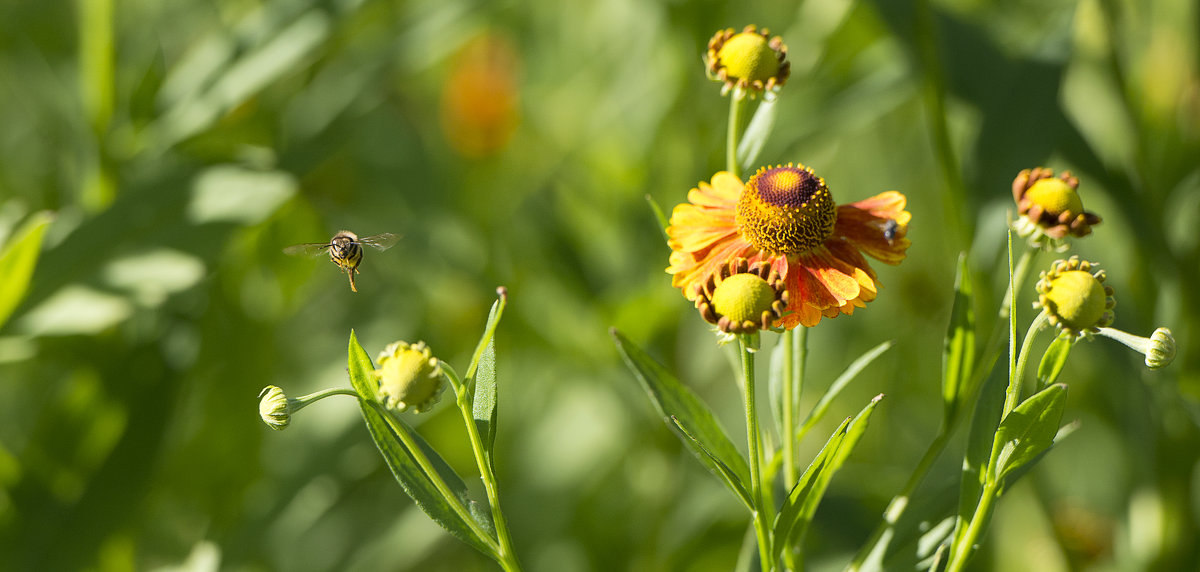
(983,513)
(434,477)
(899,503)
(761,532)
(97,56)
(301,402)
(982,368)
(506,555)
(795,352)
(1013,394)
(737,104)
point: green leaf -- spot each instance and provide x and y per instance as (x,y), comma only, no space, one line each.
(839,384)
(384,428)
(681,408)
(660,216)
(1027,431)
(756,135)
(1053,360)
(731,479)
(979,447)
(797,512)
(958,354)
(481,378)
(17,261)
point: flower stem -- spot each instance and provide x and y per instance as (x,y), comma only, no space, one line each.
(795,352)
(1013,393)
(752,438)
(737,104)
(899,503)
(301,402)
(506,555)
(983,513)
(452,499)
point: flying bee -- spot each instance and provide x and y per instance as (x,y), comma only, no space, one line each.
(345,250)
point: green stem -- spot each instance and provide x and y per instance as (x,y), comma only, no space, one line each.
(506,556)
(737,104)
(1013,394)
(981,369)
(994,345)
(301,402)
(899,503)
(97,56)
(752,438)
(794,352)
(983,512)
(452,499)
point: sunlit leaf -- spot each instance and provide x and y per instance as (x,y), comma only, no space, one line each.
(17,261)
(732,480)
(659,216)
(481,376)
(842,381)
(958,354)
(1053,360)
(681,408)
(384,428)
(797,512)
(1028,430)
(756,135)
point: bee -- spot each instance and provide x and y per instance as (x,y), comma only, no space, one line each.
(345,250)
(889,229)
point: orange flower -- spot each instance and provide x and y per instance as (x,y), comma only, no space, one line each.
(786,217)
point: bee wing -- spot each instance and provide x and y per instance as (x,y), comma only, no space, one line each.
(381,241)
(307,249)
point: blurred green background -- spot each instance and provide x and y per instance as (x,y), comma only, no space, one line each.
(181,145)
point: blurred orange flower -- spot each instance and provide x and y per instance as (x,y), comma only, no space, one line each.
(479,102)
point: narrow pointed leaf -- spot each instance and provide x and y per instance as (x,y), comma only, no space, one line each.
(775,383)
(674,400)
(481,378)
(719,468)
(839,384)
(1028,430)
(958,354)
(756,135)
(1053,360)
(797,512)
(401,461)
(659,216)
(17,261)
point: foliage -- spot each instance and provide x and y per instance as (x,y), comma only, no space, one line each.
(182,145)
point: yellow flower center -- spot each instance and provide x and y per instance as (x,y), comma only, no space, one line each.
(748,56)
(1055,196)
(1077,298)
(743,298)
(786,210)
(408,376)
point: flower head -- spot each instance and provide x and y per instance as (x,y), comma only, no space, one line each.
(1075,298)
(742,298)
(274,407)
(1049,206)
(747,60)
(785,217)
(409,377)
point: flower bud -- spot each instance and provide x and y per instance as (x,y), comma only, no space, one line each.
(409,377)
(274,407)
